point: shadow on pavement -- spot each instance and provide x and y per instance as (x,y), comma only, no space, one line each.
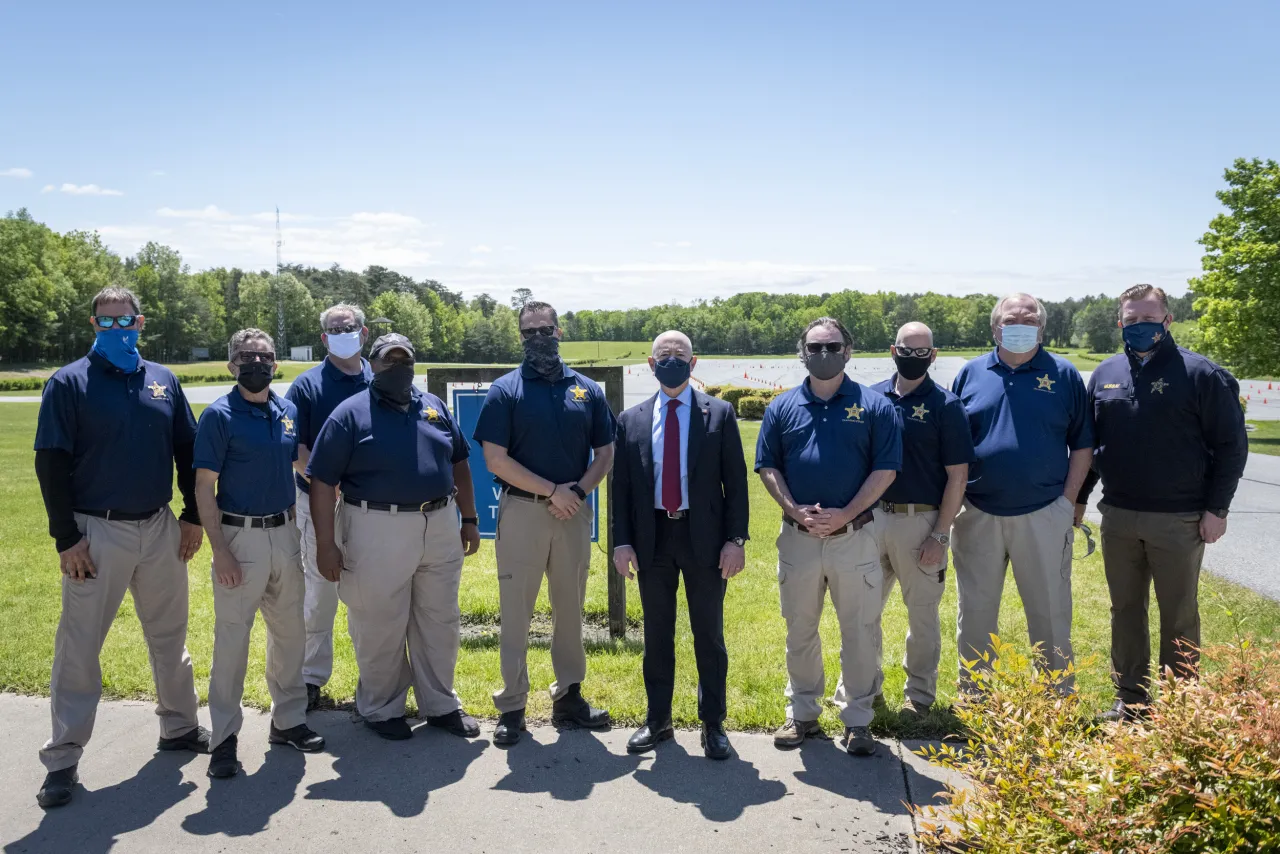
(94,820)
(400,774)
(863,778)
(721,791)
(244,804)
(567,768)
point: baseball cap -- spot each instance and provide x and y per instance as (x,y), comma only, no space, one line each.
(388,342)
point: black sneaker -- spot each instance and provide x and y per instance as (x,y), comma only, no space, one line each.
(302,737)
(196,740)
(313,697)
(223,762)
(392,729)
(510,725)
(573,710)
(457,722)
(858,741)
(56,791)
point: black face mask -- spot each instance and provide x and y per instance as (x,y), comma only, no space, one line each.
(912,367)
(395,383)
(542,353)
(824,365)
(254,376)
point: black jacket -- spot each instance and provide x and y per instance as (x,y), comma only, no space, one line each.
(718,502)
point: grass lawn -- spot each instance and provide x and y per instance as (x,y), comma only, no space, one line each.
(1265,437)
(754,630)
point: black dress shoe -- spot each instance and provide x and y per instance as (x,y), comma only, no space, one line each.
(457,722)
(647,737)
(715,744)
(313,697)
(57,787)
(301,737)
(510,725)
(1123,712)
(573,710)
(196,740)
(392,729)
(223,762)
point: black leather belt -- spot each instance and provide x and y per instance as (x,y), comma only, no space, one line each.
(677,516)
(520,493)
(424,507)
(856,525)
(273,521)
(118,515)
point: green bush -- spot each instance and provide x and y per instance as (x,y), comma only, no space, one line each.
(733,393)
(1202,774)
(22,384)
(37,383)
(712,390)
(1244,404)
(752,406)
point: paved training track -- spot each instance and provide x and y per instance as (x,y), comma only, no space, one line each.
(572,791)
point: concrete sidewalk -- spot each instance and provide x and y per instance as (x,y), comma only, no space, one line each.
(572,791)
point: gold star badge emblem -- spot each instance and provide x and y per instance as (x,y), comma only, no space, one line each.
(579,393)
(158,390)
(1045,384)
(288,425)
(919,412)
(1159,386)
(854,413)
(1157,338)
(432,413)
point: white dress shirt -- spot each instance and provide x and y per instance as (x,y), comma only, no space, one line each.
(683,412)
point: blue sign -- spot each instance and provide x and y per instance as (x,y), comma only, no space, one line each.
(466,411)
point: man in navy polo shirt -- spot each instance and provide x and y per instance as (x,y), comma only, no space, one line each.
(913,521)
(827,450)
(1033,433)
(111,427)
(539,426)
(1171,449)
(397,555)
(316,393)
(246,445)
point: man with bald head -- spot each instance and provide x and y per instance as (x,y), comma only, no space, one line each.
(913,520)
(1033,436)
(680,506)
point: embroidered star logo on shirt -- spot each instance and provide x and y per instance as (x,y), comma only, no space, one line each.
(919,412)
(1159,386)
(854,413)
(158,390)
(288,425)
(579,393)
(1157,338)
(431,413)
(1045,384)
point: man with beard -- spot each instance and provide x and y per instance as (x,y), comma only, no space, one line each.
(547,433)
(828,449)
(400,460)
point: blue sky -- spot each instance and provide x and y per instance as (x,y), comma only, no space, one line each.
(619,154)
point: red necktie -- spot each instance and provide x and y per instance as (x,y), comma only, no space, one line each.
(671,459)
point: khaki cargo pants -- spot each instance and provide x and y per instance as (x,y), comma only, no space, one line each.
(532,543)
(141,557)
(849,566)
(900,536)
(400,578)
(320,605)
(271,569)
(1038,545)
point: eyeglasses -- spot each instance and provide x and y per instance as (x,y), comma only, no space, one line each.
(343,330)
(830,347)
(247,356)
(545,331)
(918,352)
(124,321)
(1089,546)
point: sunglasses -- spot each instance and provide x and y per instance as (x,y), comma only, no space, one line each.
(830,347)
(918,352)
(124,321)
(247,356)
(545,331)
(343,330)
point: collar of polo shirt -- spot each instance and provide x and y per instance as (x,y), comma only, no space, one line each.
(1042,360)
(847,386)
(529,373)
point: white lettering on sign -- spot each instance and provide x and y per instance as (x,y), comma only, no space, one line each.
(497,493)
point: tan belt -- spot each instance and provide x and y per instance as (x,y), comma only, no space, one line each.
(906,509)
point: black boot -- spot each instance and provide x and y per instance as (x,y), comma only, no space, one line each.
(573,710)
(223,762)
(715,744)
(647,737)
(57,787)
(510,725)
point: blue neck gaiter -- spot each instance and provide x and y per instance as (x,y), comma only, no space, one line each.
(119,347)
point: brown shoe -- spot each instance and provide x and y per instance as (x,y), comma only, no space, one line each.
(912,711)
(793,733)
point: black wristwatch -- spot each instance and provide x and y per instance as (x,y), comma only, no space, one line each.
(470,520)
(1221,514)
(577,490)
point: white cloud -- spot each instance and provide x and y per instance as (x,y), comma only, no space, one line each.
(157,173)
(270,216)
(81,190)
(208,213)
(394,220)
(480,249)
(16,172)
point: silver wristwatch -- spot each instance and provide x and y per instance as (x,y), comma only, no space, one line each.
(944,540)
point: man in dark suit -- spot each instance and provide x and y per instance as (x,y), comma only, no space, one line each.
(680,506)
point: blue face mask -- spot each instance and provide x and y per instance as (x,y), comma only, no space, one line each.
(671,372)
(119,347)
(1019,339)
(1143,337)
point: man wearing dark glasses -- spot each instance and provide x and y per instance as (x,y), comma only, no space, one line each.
(246,444)
(316,393)
(827,451)
(539,426)
(111,428)
(396,550)
(913,520)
